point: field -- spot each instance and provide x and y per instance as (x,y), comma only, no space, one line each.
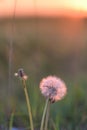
(42,47)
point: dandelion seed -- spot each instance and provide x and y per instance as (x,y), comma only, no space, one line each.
(53,88)
(16,74)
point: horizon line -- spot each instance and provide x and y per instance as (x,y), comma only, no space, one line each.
(70,13)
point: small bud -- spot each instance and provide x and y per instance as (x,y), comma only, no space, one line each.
(21,74)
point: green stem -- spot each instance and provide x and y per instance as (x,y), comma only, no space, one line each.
(44,113)
(47,116)
(28,104)
(53,124)
(11,121)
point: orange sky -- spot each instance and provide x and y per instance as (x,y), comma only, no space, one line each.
(44,7)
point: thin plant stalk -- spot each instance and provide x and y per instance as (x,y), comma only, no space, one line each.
(11,121)
(47,116)
(53,124)
(44,114)
(28,104)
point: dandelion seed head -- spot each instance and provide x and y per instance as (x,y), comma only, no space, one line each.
(53,88)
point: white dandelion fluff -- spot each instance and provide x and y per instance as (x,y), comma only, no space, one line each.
(53,88)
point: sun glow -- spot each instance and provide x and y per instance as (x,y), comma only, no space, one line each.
(44,7)
(79,5)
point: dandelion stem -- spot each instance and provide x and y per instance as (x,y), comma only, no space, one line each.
(53,124)
(47,116)
(11,120)
(44,113)
(28,104)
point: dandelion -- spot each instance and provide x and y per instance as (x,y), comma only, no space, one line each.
(54,89)
(21,74)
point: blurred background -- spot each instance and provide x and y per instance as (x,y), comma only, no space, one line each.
(42,46)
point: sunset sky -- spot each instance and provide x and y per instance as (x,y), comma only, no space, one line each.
(44,7)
